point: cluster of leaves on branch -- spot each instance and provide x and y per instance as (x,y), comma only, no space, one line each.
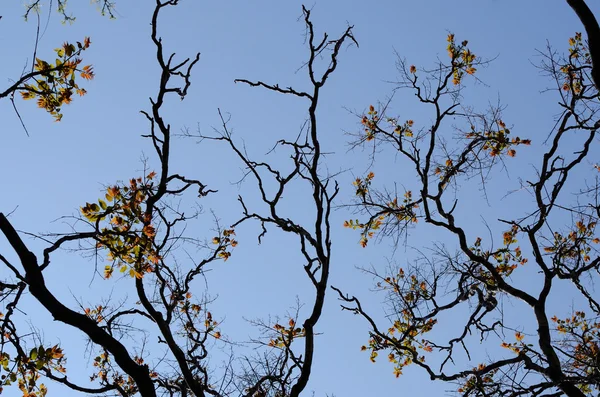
(54,84)
(286,335)
(96,314)
(107,374)
(404,212)
(580,339)
(519,345)
(479,384)
(405,340)
(497,141)
(225,241)
(505,259)
(371,119)
(574,248)
(126,229)
(578,62)
(26,369)
(462,59)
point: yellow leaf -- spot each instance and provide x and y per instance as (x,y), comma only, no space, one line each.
(87,72)
(27,95)
(57,352)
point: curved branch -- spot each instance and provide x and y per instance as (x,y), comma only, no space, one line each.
(587,18)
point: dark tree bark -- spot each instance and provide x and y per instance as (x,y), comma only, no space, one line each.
(587,18)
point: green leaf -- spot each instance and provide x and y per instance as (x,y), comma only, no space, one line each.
(102,204)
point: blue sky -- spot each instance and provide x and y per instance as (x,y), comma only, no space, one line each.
(62,165)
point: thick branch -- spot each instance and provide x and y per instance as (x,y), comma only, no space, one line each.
(592,29)
(37,287)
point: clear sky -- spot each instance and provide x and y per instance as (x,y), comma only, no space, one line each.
(62,165)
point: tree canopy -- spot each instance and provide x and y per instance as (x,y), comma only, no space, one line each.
(225,260)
